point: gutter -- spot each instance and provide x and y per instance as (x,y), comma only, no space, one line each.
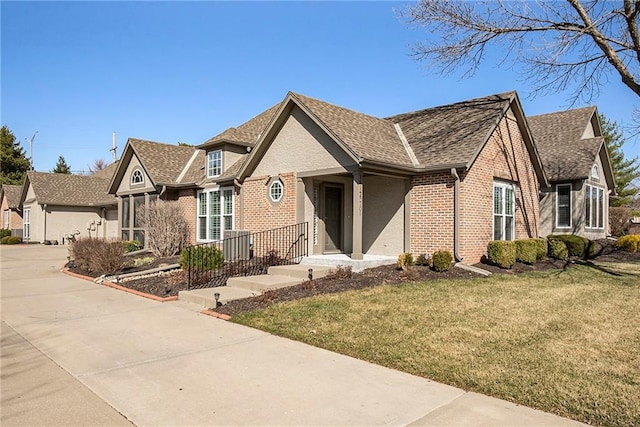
(456,216)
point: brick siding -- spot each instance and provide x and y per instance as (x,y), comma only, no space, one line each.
(188,204)
(259,213)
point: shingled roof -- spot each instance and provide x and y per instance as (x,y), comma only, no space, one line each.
(12,194)
(565,154)
(67,190)
(245,134)
(163,162)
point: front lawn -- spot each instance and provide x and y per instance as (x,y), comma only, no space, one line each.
(564,341)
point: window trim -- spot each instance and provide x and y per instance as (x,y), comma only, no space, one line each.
(593,215)
(595,172)
(6,219)
(211,165)
(207,217)
(26,223)
(271,187)
(133,176)
(557,210)
(504,186)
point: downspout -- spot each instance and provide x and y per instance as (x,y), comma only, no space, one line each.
(456,216)
(162,191)
(240,203)
(44,208)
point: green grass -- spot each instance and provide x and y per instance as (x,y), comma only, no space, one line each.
(566,342)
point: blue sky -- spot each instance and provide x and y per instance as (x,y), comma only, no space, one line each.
(185,71)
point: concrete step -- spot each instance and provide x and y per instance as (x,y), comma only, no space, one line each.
(205,298)
(298,271)
(263,282)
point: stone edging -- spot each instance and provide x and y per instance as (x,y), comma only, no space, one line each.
(65,270)
(216,314)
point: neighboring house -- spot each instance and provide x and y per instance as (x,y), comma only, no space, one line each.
(577,163)
(10,205)
(55,206)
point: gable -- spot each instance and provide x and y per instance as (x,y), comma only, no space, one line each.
(300,145)
(126,187)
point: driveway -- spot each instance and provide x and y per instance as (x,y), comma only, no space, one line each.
(83,354)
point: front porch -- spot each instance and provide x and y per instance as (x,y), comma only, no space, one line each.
(343,260)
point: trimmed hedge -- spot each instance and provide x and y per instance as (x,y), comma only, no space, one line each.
(558,250)
(422,259)
(629,243)
(10,240)
(578,246)
(527,251)
(502,253)
(405,260)
(4,233)
(203,258)
(542,247)
(442,260)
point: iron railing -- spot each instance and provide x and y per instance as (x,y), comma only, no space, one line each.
(243,253)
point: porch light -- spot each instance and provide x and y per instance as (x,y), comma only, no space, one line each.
(217,297)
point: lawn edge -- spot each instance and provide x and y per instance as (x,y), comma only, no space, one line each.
(215,314)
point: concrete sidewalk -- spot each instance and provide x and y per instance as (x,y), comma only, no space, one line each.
(159,364)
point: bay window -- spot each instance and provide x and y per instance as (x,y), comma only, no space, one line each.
(215,213)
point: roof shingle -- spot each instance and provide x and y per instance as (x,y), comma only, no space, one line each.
(70,190)
(12,194)
(163,162)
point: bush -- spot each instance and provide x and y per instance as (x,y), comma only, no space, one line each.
(203,258)
(558,250)
(502,253)
(542,247)
(405,260)
(619,220)
(131,245)
(629,243)
(165,226)
(10,240)
(4,233)
(577,245)
(98,255)
(442,260)
(422,259)
(527,250)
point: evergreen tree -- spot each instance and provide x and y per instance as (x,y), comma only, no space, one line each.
(625,170)
(61,166)
(13,160)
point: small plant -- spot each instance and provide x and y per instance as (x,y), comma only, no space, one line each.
(341,272)
(422,259)
(405,260)
(4,233)
(98,255)
(203,258)
(527,251)
(578,246)
(309,285)
(629,243)
(267,296)
(138,262)
(442,260)
(272,258)
(558,250)
(10,240)
(502,253)
(541,248)
(131,245)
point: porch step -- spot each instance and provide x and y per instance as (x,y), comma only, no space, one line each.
(298,271)
(205,298)
(263,282)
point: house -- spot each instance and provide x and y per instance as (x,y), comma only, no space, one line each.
(10,205)
(451,177)
(576,161)
(56,206)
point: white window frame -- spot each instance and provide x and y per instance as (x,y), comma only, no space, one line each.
(595,172)
(557,207)
(134,175)
(592,219)
(504,186)
(6,220)
(214,163)
(271,189)
(26,224)
(206,216)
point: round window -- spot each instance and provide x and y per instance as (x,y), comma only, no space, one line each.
(276,189)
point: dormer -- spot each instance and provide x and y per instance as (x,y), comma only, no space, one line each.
(593,129)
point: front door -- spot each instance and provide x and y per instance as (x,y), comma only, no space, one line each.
(332,218)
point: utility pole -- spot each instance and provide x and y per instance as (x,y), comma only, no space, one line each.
(114,149)
(31,148)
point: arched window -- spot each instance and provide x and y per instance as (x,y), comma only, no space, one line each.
(137,177)
(276,190)
(594,172)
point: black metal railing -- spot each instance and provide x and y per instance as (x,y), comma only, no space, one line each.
(242,253)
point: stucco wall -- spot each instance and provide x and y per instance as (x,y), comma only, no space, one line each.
(125,186)
(383,215)
(65,219)
(301,146)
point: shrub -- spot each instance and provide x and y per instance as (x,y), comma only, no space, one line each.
(527,251)
(502,253)
(619,220)
(405,260)
(442,260)
(422,259)
(558,249)
(341,272)
(629,243)
(4,233)
(98,255)
(10,240)
(577,245)
(203,258)
(165,227)
(542,247)
(131,245)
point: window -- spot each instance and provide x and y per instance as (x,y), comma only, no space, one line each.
(276,190)
(503,211)
(563,205)
(215,213)
(6,220)
(132,228)
(594,172)
(594,207)
(214,163)
(26,223)
(137,177)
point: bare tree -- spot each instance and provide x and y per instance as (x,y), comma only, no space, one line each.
(165,227)
(98,165)
(562,44)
